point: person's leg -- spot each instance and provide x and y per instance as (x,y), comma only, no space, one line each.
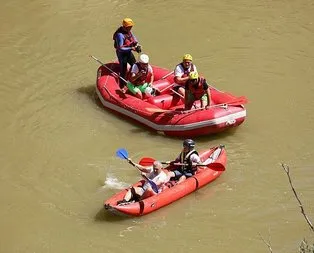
(134,90)
(134,193)
(148,193)
(181,179)
(145,89)
(128,195)
(181,91)
(189,100)
(204,101)
(131,59)
(123,69)
(175,174)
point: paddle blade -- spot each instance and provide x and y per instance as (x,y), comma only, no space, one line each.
(122,153)
(216,166)
(147,161)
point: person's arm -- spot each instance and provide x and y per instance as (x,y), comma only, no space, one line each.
(140,167)
(180,79)
(178,73)
(195,159)
(135,73)
(135,39)
(120,41)
(177,160)
(207,90)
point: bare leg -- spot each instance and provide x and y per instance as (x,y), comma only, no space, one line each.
(181,91)
(139,95)
(128,195)
(181,179)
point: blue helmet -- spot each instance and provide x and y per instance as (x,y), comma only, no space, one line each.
(189,143)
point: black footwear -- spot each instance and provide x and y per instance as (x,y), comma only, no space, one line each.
(123,201)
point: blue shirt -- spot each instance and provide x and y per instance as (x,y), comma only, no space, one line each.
(120,42)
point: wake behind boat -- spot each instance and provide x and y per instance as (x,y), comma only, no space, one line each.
(165,112)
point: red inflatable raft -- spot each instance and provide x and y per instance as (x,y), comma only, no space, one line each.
(164,113)
(215,160)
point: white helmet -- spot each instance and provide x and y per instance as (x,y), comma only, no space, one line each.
(144,58)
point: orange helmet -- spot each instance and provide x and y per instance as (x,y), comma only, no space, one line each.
(127,22)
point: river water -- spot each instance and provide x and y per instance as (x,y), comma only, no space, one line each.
(58,144)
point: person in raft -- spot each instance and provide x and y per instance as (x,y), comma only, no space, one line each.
(181,73)
(196,88)
(154,173)
(125,42)
(141,77)
(190,158)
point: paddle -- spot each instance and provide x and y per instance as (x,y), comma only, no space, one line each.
(123,154)
(104,65)
(167,87)
(147,161)
(236,101)
(165,76)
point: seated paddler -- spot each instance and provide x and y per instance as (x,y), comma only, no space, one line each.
(154,173)
(141,77)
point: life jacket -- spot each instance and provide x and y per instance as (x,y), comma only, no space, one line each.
(186,160)
(129,40)
(196,89)
(188,70)
(144,77)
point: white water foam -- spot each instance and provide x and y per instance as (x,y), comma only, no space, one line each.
(113,183)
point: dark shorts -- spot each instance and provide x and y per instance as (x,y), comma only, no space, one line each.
(179,173)
(177,87)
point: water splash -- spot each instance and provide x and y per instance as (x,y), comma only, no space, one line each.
(112,182)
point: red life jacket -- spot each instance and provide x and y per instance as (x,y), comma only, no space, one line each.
(196,89)
(129,40)
(145,77)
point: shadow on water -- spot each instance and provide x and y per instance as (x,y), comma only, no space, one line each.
(104,215)
(90,92)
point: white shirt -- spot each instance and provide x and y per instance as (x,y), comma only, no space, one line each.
(161,177)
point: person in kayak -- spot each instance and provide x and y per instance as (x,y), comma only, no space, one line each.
(181,73)
(141,77)
(155,173)
(196,88)
(125,42)
(190,158)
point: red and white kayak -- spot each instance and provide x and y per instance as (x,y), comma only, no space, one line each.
(215,160)
(165,113)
